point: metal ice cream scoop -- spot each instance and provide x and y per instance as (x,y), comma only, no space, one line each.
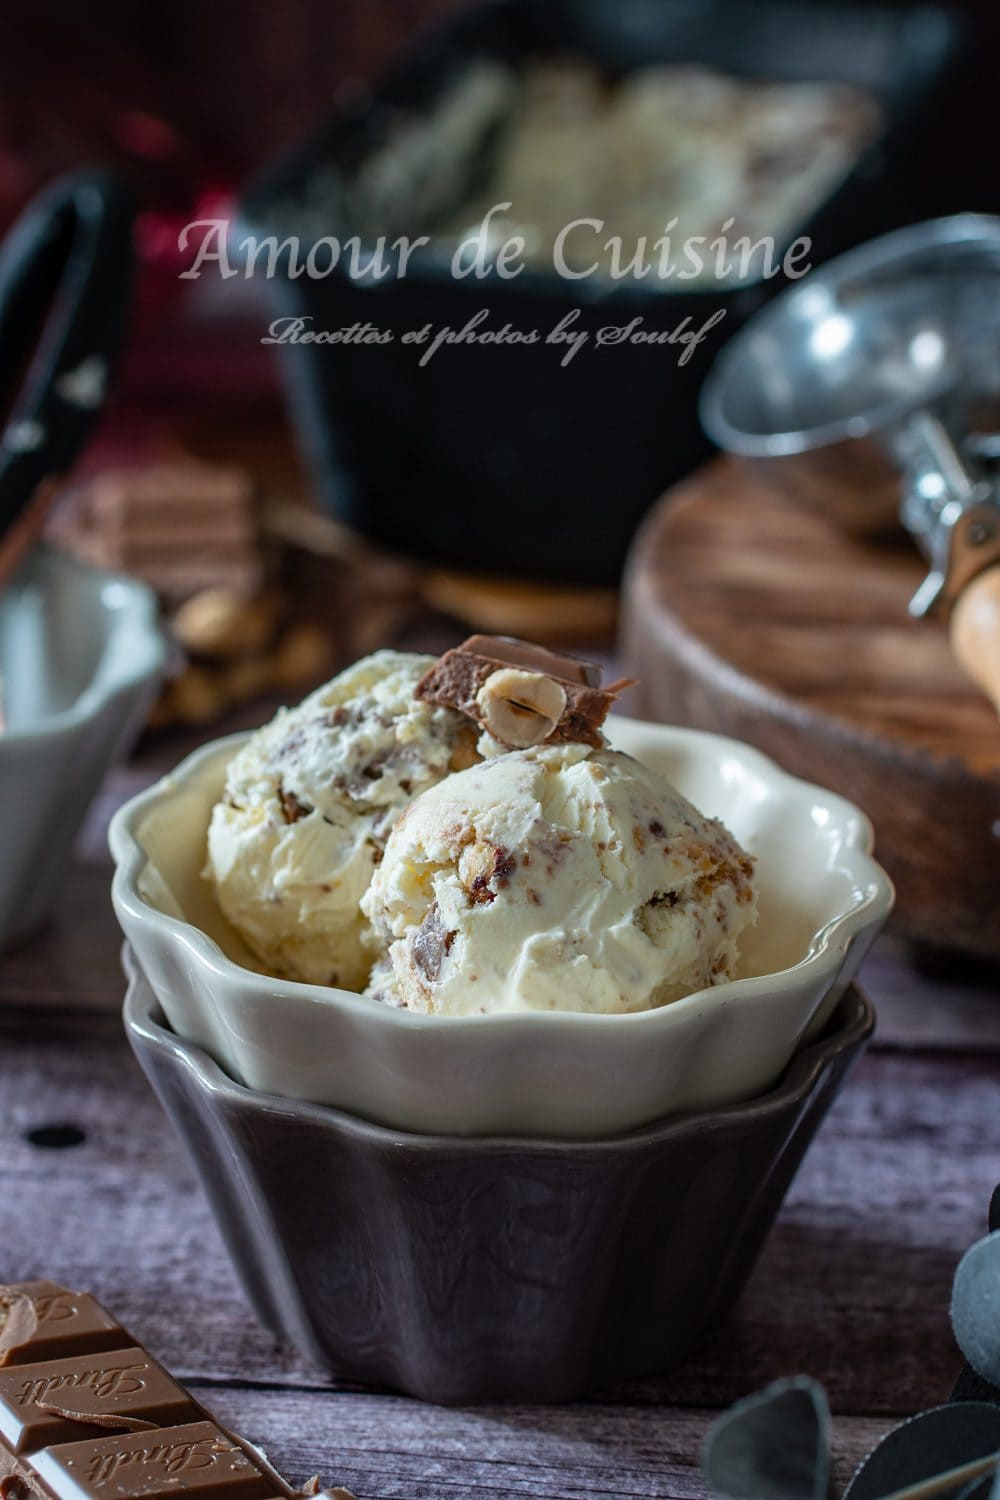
(874,385)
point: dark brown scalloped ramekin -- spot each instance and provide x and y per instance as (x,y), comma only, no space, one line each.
(471,1269)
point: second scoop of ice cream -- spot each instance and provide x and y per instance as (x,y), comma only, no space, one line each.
(562,878)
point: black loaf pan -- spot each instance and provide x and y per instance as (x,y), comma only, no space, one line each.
(497,458)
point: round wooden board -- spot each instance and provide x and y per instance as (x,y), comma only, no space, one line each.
(755,618)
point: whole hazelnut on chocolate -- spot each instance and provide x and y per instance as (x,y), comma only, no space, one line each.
(520,708)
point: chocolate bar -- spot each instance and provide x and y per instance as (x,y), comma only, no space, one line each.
(86,1413)
(180,527)
(460,677)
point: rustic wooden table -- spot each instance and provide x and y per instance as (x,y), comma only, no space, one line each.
(852,1287)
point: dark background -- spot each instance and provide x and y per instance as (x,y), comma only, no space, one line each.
(188,100)
(188,96)
(192,96)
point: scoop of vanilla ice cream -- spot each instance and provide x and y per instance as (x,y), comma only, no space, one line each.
(307,807)
(560,878)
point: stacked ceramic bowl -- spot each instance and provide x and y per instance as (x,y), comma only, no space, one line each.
(80,660)
(508,1206)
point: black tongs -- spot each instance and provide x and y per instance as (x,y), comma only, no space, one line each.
(65,283)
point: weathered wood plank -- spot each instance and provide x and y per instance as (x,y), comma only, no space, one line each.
(941,1002)
(853,1286)
(74,962)
(382,1446)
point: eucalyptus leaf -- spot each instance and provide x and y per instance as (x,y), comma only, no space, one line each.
(923,1449)
(975,1307)
(775,1445)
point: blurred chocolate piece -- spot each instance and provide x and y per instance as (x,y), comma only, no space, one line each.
(86,1413)
(365,594)
(487,668)
(224,625)
(179,527)
(293,656)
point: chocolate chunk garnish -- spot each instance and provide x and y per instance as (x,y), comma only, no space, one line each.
(507,651)
(664,898)
(457,677)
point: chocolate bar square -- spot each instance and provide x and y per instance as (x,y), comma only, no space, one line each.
(85,1396)
(196,1459)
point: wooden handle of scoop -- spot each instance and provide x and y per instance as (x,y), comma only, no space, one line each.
(975,632)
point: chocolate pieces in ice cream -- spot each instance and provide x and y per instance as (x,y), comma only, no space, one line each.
(308,804)
(556,878)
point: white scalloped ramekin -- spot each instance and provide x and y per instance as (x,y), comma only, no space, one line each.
(823,898)
(80,658)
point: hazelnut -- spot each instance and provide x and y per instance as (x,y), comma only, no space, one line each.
(475,865)
(222,624)
(303,654)
(520,708)
(196,697)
